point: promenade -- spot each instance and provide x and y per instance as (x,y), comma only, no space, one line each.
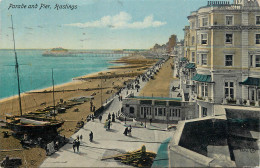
(109,142)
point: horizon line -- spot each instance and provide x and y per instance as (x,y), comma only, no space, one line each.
(77,49)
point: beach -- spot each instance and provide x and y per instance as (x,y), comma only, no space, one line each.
(88,85)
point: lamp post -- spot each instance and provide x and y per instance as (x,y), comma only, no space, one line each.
(145,119)
(101,90)
(167,119)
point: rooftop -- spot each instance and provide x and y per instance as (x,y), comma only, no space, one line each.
(154,98)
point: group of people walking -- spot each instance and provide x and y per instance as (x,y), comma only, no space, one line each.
(76,142)
(128,130)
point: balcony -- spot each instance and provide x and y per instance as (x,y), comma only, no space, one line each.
(205,99)
(231,101)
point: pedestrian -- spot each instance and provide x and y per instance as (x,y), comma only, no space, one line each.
(81,137)
(108,125)
(109,116)
(77,144)
(130,130)
(93,117)
(126,130)
(125,120)
(113,117)
(150,121)
(91,136)
(74,145)
(100,118)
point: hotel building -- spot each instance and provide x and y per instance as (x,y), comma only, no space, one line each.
(222,46)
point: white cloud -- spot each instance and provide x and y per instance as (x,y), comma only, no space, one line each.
(120,21)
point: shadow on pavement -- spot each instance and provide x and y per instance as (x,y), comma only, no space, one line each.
(112,130)
(95,142)
(137,141)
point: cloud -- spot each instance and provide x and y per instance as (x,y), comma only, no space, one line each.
(120,21)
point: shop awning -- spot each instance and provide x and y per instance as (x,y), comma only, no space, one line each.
(190,66)
(251,82)
(184,59)
(202,78)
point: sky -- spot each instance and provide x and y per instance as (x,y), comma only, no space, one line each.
(93,24)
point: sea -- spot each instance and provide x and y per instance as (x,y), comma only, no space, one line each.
(35,70)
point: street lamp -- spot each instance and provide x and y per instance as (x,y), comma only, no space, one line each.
(145,119)
(167,119)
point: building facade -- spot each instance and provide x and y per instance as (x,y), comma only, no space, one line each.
(222,44)
(157,108)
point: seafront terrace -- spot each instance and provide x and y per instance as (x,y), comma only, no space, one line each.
(112,142)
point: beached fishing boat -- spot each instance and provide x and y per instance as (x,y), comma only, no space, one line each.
(31,124)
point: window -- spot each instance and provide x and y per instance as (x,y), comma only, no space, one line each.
(146,111)
(229,37)
(204,112)
(193,57)
(257,38)
(204,90)
(155,111)
(257,20)
(192,40)
(229,20)
(192,25)
(258,95)
(252,95)
(203,59)
(257,61)
(160,111)
(204,21)
(228,60)
(251,60)
(229,90)
(173,112)
(204,38)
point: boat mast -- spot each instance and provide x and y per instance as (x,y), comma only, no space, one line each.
(17,71)
(53,95)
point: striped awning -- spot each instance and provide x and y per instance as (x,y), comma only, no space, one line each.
(250,81)
(184,59)
(190,66)
(202,78)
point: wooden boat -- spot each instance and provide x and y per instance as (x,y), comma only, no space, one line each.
(31,124)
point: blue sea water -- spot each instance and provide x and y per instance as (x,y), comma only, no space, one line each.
(36,70)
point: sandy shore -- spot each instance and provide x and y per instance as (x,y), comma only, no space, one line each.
(77,88)
(160,86)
